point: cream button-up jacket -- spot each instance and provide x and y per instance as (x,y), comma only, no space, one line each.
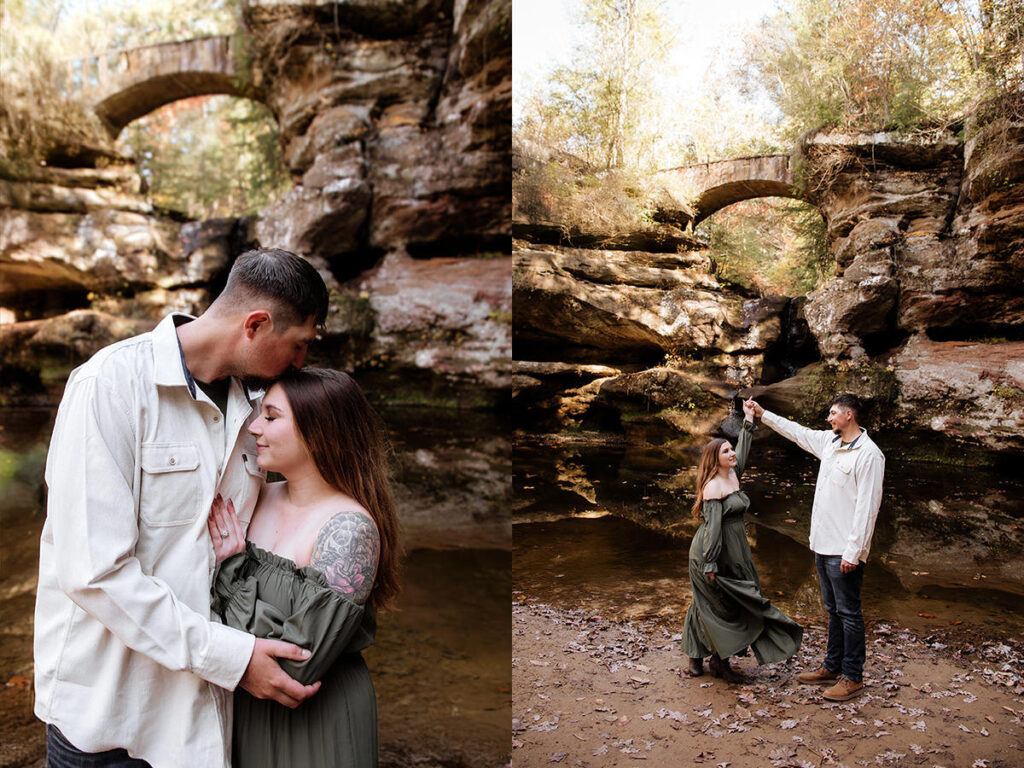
(848,492)
(127,651)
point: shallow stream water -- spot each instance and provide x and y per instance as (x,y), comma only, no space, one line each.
(607,526)
(441,662)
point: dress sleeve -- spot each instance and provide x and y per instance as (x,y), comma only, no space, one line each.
(712,512)
(743,446)
(266,595)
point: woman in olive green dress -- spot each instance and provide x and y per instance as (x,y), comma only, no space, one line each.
(320,560)
(728,613)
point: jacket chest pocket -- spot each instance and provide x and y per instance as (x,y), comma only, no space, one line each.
(842,471)
(170,484)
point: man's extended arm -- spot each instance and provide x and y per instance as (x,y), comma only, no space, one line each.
(811,440)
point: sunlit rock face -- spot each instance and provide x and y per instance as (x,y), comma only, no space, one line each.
(450,316)
(927,232)
(655,339)
(971,392)
(395,123)
(67,230)
(86,261)
(925,315)
(396,126)
(631,305)
(397,131)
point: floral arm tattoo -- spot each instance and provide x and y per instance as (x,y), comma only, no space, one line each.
(346,552)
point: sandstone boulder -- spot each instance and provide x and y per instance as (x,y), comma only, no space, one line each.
(927,234)
(36,356)
(399,129)
(109,251)
(972,392)
(450,316)
(632,305)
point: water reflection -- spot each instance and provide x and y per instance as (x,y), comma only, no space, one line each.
(609,526)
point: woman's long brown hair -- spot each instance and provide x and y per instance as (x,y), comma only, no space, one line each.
(706,469)
(345,438)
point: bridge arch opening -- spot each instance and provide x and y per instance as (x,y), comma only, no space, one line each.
(208,156)
(145,96)
(769,245)
(714,199)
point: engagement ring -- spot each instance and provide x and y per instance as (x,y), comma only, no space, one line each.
(225,533)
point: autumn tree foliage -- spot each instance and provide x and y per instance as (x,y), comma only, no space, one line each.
(885,64)
(602,107)
(209,156)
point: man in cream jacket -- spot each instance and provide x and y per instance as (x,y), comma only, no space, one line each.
(847,496)
(131,666)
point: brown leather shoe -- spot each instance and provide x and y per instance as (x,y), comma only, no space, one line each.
(844,690)
(819,675)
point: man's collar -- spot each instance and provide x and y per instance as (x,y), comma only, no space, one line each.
(170,369)
(852,446)
(168,358)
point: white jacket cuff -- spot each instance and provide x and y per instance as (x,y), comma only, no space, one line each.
(852,555)
(227,656)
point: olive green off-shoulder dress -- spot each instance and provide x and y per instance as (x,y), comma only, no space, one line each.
(730,613)
(268,596)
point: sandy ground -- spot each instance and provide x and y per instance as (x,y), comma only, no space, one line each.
(590,691)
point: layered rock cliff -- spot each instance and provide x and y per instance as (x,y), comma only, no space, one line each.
(614,338)
(923,318)
(925,314)
(395,124)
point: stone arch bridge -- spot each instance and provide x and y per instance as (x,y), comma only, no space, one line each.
(123,85)
(709,187)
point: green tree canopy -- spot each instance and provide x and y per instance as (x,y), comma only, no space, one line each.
(885,64)
(603,106)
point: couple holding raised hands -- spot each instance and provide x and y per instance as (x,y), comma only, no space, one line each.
(728,613)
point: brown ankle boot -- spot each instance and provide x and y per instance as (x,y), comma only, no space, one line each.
(818,676)
(720,668)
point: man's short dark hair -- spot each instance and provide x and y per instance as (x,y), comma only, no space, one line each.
(851,401)
(291,282)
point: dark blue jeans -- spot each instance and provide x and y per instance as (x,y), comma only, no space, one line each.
(841,594)
(61,753)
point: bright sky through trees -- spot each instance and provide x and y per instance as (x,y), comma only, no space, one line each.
(544,35)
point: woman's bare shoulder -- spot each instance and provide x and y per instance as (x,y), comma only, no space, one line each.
(344,507)
(715,488)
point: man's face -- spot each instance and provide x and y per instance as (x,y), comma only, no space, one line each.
(272,353)
(839,418)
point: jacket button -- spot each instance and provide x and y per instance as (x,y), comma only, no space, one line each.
(216,419)
(171,461)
